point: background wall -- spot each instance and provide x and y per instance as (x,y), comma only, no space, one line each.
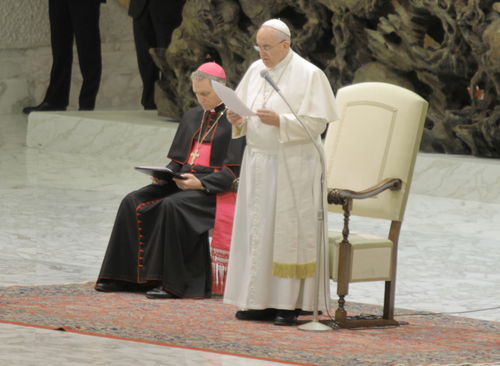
(25,57)
(447,51)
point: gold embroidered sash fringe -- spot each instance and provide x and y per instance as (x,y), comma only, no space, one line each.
(294,270)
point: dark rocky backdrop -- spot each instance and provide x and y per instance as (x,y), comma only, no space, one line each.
(448,51)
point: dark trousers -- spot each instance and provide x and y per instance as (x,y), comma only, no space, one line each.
(78,20)
(153,29)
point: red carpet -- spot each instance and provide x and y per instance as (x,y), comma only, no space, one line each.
(210,325)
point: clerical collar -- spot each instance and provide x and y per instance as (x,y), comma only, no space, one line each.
(217,109)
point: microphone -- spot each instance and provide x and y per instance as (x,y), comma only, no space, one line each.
(265,75)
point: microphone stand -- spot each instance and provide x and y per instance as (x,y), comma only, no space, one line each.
(313,325)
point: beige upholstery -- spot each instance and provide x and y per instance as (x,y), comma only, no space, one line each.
(370,260)
(378,137)
(376,140)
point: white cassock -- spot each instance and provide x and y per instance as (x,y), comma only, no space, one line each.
(273,249)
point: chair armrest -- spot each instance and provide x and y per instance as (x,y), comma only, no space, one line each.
(338,196)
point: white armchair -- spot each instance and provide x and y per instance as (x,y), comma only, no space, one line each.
(370,155)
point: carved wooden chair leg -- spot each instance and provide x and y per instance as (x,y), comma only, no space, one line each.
(345,252)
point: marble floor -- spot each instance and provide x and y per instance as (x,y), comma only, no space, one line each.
(57,209)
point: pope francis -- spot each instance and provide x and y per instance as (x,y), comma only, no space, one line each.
(272,262)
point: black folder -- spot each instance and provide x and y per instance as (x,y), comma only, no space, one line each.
(160,172)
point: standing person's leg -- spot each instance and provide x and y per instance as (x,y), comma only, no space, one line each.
(85,17)
(61,36)
(165,17)
(145,39)
(153,29)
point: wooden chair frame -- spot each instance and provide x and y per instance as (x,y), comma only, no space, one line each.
(345,198)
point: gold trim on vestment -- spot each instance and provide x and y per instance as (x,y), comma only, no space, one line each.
(294,270)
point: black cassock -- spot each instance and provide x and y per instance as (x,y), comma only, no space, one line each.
(161,232)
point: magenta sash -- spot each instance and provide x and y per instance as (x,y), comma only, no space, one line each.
(221,235)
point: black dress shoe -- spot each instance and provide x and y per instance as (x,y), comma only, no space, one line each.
(263,315)
(43,107)
(286,317)
(160,293)
(110,286)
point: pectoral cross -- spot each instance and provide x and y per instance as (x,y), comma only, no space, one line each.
(193,156)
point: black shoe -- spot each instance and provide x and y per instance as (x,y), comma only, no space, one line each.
(43,107)
(266,314)
(306,312)
(86,108)
(160,293)
(111,286)
(286,317)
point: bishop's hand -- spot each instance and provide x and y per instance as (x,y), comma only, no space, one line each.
(191,182)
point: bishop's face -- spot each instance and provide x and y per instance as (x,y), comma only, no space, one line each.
(205,94)
(272,49)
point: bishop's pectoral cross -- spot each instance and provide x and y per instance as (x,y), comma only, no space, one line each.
(193,156)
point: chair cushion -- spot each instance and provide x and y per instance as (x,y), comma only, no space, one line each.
(370,260)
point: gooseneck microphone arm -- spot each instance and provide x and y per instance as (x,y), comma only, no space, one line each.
(265,74)
(314,325)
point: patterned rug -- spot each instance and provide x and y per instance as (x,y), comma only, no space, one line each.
(209,325)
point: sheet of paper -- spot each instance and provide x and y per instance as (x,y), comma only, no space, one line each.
(231,100)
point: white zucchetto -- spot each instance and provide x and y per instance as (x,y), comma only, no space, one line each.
(278,25)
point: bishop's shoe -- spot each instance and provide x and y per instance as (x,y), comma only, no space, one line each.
(112,286)
(160,293)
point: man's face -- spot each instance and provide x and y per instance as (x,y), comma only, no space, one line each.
(272,49)
(205,94)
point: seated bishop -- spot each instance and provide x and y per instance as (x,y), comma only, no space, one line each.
(160,240)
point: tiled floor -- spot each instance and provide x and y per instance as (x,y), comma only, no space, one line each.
(57,210)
